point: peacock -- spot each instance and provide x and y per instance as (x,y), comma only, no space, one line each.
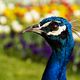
(57,31)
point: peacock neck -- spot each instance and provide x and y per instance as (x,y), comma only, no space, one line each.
(56,67)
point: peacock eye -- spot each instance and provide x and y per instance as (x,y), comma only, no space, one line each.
(58,31)
(54,26)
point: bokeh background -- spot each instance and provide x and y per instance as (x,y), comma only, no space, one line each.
(24,56)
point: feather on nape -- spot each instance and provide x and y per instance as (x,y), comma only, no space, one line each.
(76,29)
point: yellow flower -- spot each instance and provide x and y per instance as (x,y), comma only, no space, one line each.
(75,7)
(37,8)
(63,10)
(53,6)
(10,14)
(20,11)
(76,10)
(44,9)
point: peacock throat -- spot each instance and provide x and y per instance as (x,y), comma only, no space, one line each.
(56,66)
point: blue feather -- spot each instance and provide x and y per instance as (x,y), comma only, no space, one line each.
(61,52)
(61,44)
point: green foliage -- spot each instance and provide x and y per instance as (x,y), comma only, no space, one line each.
(15,69)
(32,37)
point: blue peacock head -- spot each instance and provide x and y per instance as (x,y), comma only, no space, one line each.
(56,30)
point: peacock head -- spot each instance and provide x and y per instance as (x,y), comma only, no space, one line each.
(56,30)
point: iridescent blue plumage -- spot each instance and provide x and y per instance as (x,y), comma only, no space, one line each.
(61,51)
(58,33)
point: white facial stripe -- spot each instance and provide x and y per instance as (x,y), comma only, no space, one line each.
(39,26)
(58,32)
(58,21)
(46,24)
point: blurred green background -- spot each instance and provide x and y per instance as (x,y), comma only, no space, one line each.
(24,56)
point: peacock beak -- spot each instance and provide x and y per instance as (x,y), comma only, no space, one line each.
(34,28)
(28,29)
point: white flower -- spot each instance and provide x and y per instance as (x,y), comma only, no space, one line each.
(2,7)
(35,15)
(55,13)
(11,6)
(16,26)
(77,13)
(3,20)
(5,29)
(70,1)
(28,17)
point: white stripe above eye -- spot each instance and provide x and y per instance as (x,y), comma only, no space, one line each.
(46,24)
(39,26)
(58,32)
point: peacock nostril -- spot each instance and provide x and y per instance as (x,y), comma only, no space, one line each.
(35,26)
